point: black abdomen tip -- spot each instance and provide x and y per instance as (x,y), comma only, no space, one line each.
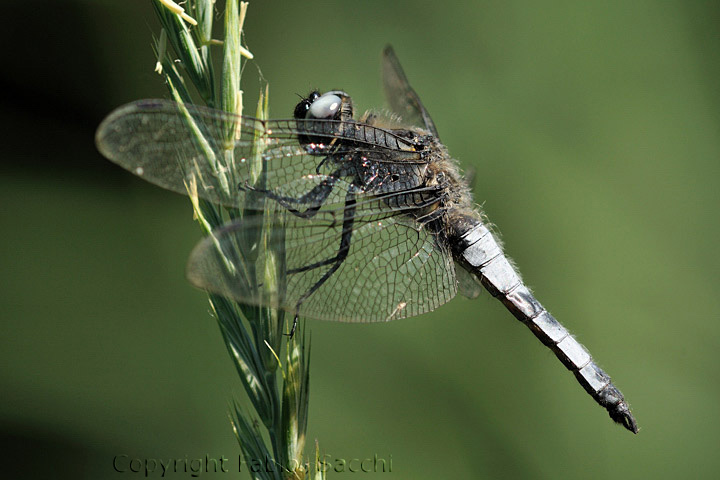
(621,414)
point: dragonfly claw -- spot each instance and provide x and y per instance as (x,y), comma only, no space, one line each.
(294,327)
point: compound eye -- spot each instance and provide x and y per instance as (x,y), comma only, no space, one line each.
(325,107)
(301,109)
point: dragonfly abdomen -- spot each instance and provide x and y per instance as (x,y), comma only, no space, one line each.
(481,254)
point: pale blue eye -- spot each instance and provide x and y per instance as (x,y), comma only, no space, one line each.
(324,107)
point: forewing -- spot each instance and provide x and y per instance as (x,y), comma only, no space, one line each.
(394,267)
(174,145)
(402,98)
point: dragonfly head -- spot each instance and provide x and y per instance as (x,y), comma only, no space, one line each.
(333,105)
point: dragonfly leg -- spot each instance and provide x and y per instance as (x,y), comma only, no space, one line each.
(315,197)
(336,261)
(319,165)
(294,326)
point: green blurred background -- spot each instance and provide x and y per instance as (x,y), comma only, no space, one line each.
(594,132)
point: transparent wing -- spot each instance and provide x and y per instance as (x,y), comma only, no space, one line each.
(402,98)
(171,145)
(394,267)
(468,284)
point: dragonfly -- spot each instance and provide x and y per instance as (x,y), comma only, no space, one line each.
(377,221)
